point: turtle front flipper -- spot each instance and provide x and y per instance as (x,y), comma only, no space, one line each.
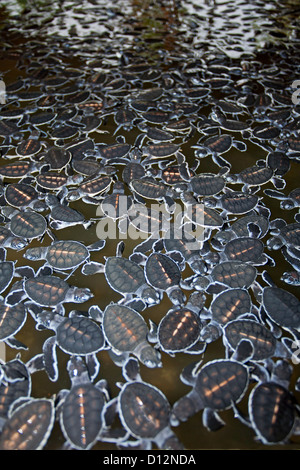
(50,358)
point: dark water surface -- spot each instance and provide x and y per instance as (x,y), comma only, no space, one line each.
(178,46)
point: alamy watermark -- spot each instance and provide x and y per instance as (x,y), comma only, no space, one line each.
(2,92)
(295,94)
(186,223)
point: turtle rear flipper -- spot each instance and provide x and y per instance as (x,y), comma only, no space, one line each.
(14,343)
(211,420)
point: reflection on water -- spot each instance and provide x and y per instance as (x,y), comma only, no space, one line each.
(183,45)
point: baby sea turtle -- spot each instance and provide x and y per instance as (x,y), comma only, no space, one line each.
(265,345)
(272,411)
(177,240)
(19,169)
(29,425)
(282,307)
(21,195)
(62,216)
(75,335)
(149,188)
(216,146)
(217,386)
(124,276)
(90,189)
(9,240)
(286,235)
(48,291)
(230,305)
(179,330)
(201,214)
(207,184)
(28,225)
(116,204)
(145,413)
(63,255)
(127,332)
(254,176)
(288,202)
(81,407)
(235,274)
(233,202)
(246,250)
(163,274)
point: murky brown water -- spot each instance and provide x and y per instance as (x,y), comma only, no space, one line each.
(98,36)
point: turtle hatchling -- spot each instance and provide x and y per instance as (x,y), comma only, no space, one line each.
(217,386)
(48,291)
(81,407)
(75,335)
(145,413)
(127,333)
(64,255)
(164,274)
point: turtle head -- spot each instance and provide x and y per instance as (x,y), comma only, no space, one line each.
(33,254)
(151,296)
(150,357)
(81,295)
(44,319)
(18,243)
(76,367)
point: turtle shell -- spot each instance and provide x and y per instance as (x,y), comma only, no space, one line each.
(123,275)
(66,254)
(7,269)
(282,307)
(79,335)
(16,169)
(230,304)
(240,226)
(28,224)
(57,158)
(46,290)
(207,184)
(148,188)
(81,418)
(234,274)
(178,330)
(264,343)
(238,202)
(204,216)
(124,328)
(291,234)
(51,181)
(144,409)
(244,249)
(20,194)
(35,418)
(272,412)
(161,271)
(221,383)
(11,320)
(132,171)
(255,175)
